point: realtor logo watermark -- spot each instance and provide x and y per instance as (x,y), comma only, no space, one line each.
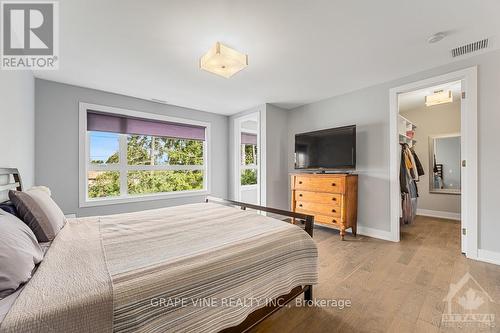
(224,302)
(30,35)
(467,305)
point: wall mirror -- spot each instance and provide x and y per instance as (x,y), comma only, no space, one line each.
(445,160)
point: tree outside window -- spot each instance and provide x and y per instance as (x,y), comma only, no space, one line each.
(153,164)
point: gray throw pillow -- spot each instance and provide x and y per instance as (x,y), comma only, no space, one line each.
(37,209)
(19,253)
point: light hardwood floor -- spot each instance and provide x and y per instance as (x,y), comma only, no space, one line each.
(393,287)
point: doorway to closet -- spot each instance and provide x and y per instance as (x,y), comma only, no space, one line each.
(429,131)
(433,129)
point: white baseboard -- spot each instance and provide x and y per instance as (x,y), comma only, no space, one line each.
(375,233)
(491,257)
(439,214)
(366,231)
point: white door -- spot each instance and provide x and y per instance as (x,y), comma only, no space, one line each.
(463,182)
(247,158)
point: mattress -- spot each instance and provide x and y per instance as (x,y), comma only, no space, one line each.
(192,268)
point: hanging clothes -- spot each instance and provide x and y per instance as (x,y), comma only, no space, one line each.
(420,168)
(408,177)
(413,164)
(408,172)
(403,170)
(406,217)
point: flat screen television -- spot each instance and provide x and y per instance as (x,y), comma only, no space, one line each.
(333,148)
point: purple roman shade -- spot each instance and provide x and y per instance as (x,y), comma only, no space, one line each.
(105,122)
(248,138)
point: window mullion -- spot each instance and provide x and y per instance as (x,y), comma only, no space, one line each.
(164,167)
(205,164)
(123,165)
(249,167)
(103,167)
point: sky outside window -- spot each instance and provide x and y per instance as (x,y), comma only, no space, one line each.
(103,146)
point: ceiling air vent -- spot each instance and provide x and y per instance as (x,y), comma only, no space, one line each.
(469,48)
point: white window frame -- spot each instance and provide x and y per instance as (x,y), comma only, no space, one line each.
(84,165)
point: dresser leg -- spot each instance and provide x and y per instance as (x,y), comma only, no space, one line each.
(342,232)
(354,231)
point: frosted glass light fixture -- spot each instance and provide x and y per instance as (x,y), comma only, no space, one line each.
(439,97)
(223,60)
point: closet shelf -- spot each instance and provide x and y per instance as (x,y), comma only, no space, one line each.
(405,125)
(406,139)
(407,121)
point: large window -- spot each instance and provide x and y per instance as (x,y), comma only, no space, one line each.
(128,156)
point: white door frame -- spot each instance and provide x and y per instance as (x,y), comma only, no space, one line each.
(469,148)
(236,163)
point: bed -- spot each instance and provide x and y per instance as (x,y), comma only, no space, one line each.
(204,267)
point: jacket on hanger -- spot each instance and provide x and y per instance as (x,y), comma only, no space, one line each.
(408,175)
(420,168)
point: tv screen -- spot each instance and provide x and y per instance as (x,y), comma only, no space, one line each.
(333,148)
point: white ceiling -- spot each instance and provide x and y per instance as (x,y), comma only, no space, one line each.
(416,99)
(299,51)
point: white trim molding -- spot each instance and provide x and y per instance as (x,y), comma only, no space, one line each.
(375,233)
(439,214)
(469,148)
(364,231)
(488,256)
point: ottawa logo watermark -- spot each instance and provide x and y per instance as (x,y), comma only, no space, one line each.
(30,35)
(467,305)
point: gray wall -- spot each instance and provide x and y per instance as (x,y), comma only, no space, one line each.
(56,148)
(276,157)
(369,109)
(17,123)
(366,109)
(434,120)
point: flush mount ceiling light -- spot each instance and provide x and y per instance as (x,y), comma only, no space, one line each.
(223,60)
(439,97)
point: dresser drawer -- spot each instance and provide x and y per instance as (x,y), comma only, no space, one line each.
(318,208)
(319,184)
(319,197)
(323,219)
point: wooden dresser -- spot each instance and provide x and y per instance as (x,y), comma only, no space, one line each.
(331,198)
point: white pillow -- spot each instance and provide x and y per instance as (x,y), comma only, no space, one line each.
(19,253)
(41,188)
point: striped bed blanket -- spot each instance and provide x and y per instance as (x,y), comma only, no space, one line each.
(192,268)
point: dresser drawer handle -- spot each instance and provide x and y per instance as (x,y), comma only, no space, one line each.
(333,210)
(333,184)
(300,194)
(300,181)
(300,205)
(334,199)
(334,221)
